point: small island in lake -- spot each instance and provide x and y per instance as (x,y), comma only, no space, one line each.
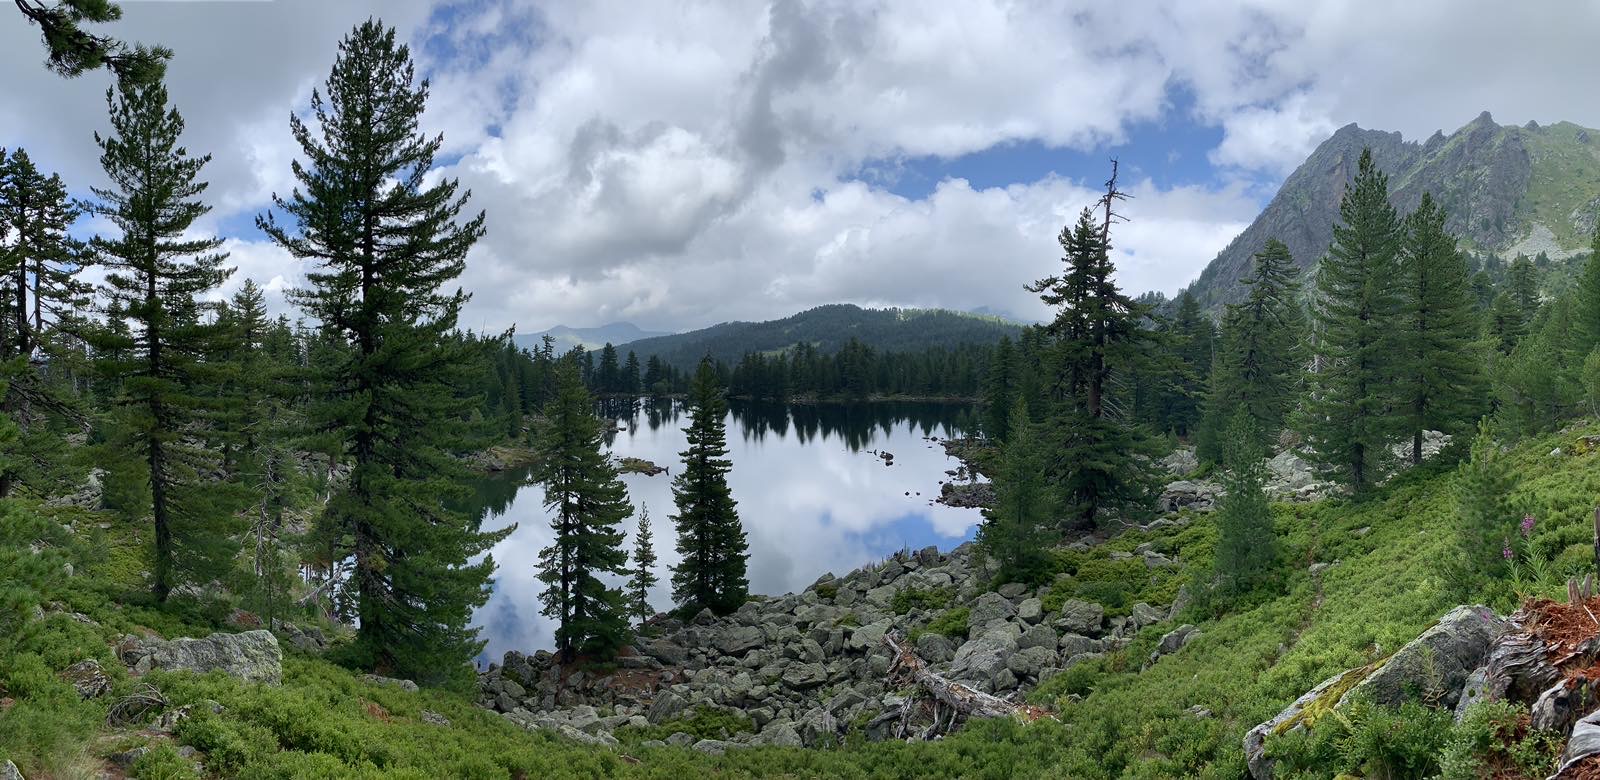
(640,466)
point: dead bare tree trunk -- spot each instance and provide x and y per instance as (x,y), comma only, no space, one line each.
(950,702)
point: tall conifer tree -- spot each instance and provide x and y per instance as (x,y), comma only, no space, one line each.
(1097,336)
(1588,332)
(1247,545)
(1018,532)
(1350,417)
(1258,362)
(643,571)
(587,503)
(386,239)
(1438,373)
(1000,391)
(157,271)
(711,539)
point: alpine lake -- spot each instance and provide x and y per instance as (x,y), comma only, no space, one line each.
(814,489)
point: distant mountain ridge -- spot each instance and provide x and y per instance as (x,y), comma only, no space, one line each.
(828,328)
(1507,189)
(589,338)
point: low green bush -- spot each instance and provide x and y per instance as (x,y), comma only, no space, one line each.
(907,599)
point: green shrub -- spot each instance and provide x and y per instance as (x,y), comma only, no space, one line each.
(162,762)
(828,590)
(1494,735)
(952,622)
(703,723)
(907,599)
(1368,740)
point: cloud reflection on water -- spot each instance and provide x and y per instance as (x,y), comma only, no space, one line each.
(812,496)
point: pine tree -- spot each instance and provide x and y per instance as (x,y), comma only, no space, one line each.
(643,576)
(1097,336)
(43,261)
(157,271)
(609,378)
(1258,363)
(40,317)
(654,375)
(1537,385)
(1507,323)
(1350,420)
(1018,532)
(1000,391)
(1588,331)
(1438,387)
(385,237)
(630,374)
(1247,544)
(1484,520)
(1523,283)
(1193,337)
(73,50)
(711,540)
(587,502)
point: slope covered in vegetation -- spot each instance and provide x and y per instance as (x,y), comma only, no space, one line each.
(1183,715)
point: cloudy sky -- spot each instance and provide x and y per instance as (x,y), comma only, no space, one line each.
(676,164)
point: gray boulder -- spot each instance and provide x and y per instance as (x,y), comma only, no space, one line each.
(935,648)
(738,640)
(1435,665)
(1012,590)
(510,687)
(984,657)
(1030,611)
(1081,617)
(9,771)
(868,636)
(1188,494)
(1075,644)
(1145,615)
(817,726)
(668,705)
(666,651)
(803,676)
(1037,636)
(1174,640)
(1030,661)
(1445,654)
(989,607)
(253,656)
(781,734)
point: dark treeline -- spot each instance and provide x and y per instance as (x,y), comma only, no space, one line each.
(855,372)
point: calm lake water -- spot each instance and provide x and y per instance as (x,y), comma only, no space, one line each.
(812,495)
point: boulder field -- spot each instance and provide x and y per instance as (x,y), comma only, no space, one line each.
(800,668)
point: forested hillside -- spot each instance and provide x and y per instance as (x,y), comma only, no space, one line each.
(827,329)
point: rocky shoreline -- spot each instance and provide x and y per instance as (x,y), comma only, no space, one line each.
(804,669)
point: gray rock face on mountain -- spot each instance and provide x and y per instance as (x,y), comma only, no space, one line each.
(1482,174)
(253,656)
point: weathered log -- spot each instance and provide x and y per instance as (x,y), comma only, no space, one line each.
(964,700)
(1519,669)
